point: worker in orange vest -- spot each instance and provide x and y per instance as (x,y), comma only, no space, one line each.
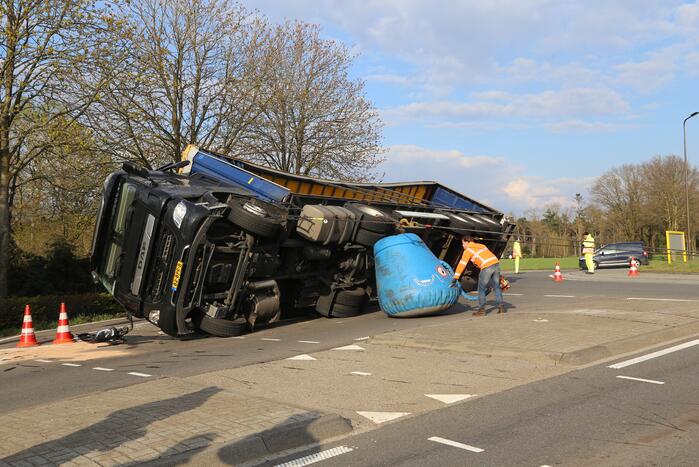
(489,265)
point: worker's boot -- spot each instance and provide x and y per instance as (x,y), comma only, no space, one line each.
(501,309)
(480,312)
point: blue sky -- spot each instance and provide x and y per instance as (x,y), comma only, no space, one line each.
(519,103)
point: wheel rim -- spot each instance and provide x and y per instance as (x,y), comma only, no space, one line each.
(254,209)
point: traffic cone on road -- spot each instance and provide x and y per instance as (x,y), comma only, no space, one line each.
(63,335)
(27,338)
(633,267)
(557,276)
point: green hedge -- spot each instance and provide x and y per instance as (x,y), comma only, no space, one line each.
(45,308)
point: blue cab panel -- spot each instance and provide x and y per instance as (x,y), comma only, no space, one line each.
(410,280)
(444,198)
(220,169)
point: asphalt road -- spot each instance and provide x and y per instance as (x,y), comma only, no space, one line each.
(150,353)
(587,417)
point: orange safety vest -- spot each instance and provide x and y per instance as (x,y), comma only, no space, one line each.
(481,256)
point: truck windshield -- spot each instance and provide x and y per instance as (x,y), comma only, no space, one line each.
(109,267)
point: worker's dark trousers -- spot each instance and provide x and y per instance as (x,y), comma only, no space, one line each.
(489,277)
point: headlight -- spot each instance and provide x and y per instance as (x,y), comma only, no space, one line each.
(179,213)
(154,316)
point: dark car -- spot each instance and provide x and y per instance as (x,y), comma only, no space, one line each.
(618,254)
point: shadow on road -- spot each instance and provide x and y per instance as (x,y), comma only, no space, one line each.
(114,430)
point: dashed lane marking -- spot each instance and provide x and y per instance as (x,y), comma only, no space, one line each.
(540,320)
(71,364)
(663,299)
(142,375)
(238,337)
(650,356)
(41,360)
(449,398)
(303,357)
(652,381)
(350,347)
(308,342)
(99,368)
(455,444)
(365,338)
(317,457)
(360,373)
(560,296)
(513,294)
(381,417)
(270,339)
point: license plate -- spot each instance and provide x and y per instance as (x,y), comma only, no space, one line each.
(176,276)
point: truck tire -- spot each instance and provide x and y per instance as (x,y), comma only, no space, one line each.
(347,303)
(222,327)
(255,218)
(373,218)
(367,238)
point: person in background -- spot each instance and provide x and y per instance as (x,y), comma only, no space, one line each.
(516,253)
(489,265)
(588,251)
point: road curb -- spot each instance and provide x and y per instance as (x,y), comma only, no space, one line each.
(629,344)
(270,442)
(575,358)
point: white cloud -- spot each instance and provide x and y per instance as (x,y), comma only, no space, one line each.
(527,192)
(452,158)
(585,126)
(577,102)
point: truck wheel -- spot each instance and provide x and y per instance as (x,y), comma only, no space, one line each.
(373,219)
(222,327)
(367,238)
(254,218)
(351,297)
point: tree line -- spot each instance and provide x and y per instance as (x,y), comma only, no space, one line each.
(631,202)
(86,85)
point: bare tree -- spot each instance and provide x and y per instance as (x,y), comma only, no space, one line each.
(50,62)
(314,119)
(622,192)
(192,74)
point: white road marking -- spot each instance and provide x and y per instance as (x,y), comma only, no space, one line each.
(540,320)
(238,337)
(41,360)
(560,296)
(142,375)
(652,381)
(99,368)
(361,373)
(362,338)
(513,294)
(662,299)
(455,444)
(316,457)
(381,417)
(308,342)
(71,364)
(270,339)
(449,398)
(301,357)
(350,347)
(650,356)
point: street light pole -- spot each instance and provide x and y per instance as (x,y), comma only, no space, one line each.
(690,242)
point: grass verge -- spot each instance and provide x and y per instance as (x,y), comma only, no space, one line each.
(530,264)
(678,267)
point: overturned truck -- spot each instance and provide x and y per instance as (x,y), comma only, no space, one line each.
(221,245)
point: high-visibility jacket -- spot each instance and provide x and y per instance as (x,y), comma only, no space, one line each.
(516,249)
(481,256)
(588,245)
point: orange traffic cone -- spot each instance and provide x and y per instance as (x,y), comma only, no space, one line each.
(63,335)
(557,276)
(633,267)
(27,338)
